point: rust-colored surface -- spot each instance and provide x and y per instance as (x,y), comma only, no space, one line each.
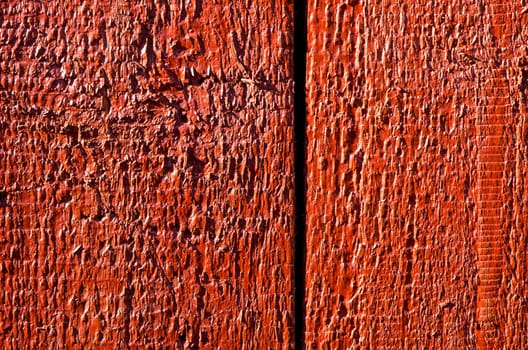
(146,174)
(146,182)
(416,201)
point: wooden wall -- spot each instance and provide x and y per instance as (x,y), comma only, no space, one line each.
(151,160)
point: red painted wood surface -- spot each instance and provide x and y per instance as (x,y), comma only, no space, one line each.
(416,200)
(146,174)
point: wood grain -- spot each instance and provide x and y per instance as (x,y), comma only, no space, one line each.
(416,229)
(146,174)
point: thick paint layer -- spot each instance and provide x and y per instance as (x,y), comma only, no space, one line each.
(146,174)
(416,133)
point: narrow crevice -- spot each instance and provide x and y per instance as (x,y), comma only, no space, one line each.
(299,61)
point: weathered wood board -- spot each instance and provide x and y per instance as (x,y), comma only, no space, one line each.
(146,174)
(416,167)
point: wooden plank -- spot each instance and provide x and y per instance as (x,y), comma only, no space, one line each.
(146,174)
(408,103)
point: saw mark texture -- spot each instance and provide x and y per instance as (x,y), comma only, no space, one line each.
(146,174)
(148,170)
(416,222)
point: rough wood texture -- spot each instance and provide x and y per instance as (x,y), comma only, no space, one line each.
(416,162)
(146,182)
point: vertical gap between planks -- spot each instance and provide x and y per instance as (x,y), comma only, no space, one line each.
(299,61)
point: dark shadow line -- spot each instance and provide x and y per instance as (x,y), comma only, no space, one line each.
(299,71)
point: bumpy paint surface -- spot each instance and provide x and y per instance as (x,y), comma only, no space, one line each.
(416,200)
(146,182)
(146,174)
